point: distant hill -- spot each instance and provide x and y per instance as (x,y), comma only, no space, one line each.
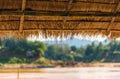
(76,42)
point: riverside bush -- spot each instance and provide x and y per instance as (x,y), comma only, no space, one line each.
(42,61)
(1,64)
(15,60)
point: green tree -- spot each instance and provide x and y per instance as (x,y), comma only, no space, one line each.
(78,57)
(89,53)
(38,48)
(51,52)
(73,48)
(9,44)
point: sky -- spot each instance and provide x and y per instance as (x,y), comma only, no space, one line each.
(91,38)
(77,41)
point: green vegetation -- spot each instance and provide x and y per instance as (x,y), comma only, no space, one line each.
(20,51)
(23,51)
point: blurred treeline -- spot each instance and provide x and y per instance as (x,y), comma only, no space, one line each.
(24,51)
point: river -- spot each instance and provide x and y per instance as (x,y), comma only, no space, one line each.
(68,73)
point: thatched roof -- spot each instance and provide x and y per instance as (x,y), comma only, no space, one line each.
(60,17)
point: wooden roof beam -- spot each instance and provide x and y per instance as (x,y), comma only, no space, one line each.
(67,11)
(84,1)
(68,21)
(22,17)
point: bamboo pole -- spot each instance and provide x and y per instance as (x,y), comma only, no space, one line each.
(18,76)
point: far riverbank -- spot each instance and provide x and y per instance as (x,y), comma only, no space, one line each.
(61,65)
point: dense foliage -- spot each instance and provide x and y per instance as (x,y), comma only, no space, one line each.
(20,51)
(24,51)
(90,53)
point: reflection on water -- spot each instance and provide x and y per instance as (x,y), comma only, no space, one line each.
(69,73)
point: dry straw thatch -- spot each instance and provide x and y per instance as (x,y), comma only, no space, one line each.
(60,18)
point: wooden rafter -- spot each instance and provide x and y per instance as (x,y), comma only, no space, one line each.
(111,22)
(21,23)
(60,13)
(112,19)
(22,17)
(23,5)
(69,6)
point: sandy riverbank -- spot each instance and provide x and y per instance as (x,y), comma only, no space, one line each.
(64,73)
(61,65)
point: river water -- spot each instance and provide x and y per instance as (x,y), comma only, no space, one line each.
(68,73)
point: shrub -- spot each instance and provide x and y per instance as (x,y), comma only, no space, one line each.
(42,61)
(1,64)
(15,60)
